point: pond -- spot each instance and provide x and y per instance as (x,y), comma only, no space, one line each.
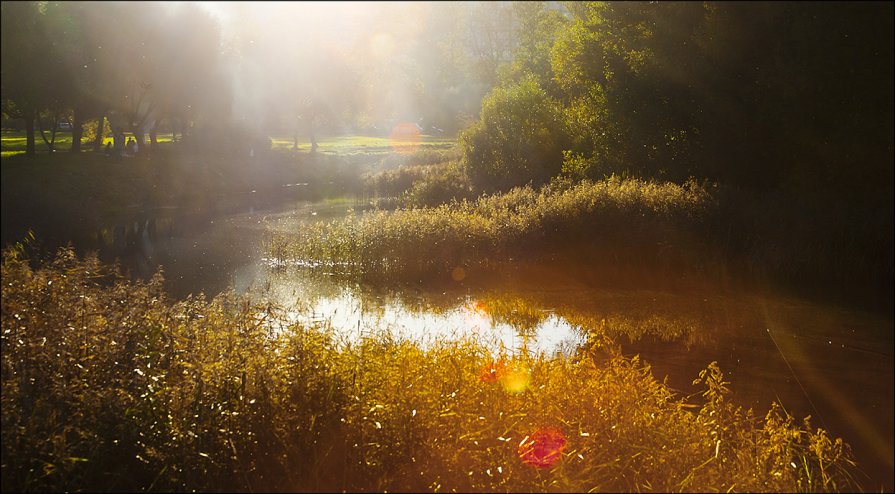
(825,360)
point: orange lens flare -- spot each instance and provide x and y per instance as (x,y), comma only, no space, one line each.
(480,307)
(493,371)
(405,138)
(513,376)
(458,274)
(516,377)
(543,448)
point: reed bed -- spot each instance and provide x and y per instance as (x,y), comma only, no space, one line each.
(618,216)
(110,385)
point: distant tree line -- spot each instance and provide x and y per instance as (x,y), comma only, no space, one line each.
(138,67)
(132,65)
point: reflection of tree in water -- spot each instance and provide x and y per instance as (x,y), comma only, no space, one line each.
(130,234)
(133,241)
(665,328)
(513,311)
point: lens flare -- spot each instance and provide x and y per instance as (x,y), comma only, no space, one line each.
(542,448)
(479,307)
(493,371)
(458,274)
(513,376)
(516,377)
(405,138)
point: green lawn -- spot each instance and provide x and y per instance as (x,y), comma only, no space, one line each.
(13,142)
(356,144)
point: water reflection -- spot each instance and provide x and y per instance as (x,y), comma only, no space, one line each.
(543,321)
(355,313)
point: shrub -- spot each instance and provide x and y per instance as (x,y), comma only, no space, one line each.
(518,139)
(440,186)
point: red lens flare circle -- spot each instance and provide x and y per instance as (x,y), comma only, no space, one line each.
(543,448)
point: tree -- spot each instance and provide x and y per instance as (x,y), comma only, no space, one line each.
(631,78)
(190,84)
(518,139)
(22,64)
(536,31)
(75,74)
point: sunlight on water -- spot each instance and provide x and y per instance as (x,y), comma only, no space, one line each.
(321,300)
(347,315)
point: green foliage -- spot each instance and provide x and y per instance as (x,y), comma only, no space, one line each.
(755,95)
(88,131)
(420,185)
(400,172)
(612,215)
(519,138)
(536,31)
(630,108)
(780,101)
(440,186)
(22,58)
(394,182)
(109,385)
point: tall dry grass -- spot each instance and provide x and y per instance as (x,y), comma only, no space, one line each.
(109,385)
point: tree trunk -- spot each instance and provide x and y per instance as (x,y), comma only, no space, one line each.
(311,134)
(138,135)
(76,132)
(153,132)
(98,143)
(51,142)
(29,134)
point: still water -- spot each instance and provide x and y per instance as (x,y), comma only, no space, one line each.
(820,359)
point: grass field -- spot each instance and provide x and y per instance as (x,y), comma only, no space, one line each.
(13,143)
(356,144)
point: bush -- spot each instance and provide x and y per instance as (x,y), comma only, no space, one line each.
(441,185)
(518,139)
